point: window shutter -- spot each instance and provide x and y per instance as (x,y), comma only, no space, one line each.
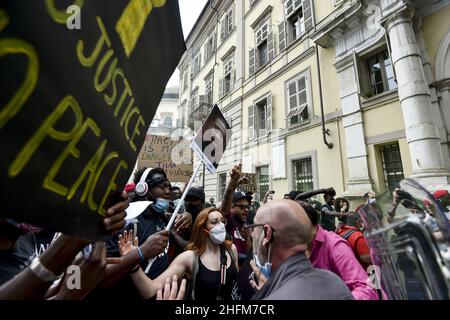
(359,75)
(282,35)
(222,29)
(270,46)
(231,25)
(307,14)
(220,88)
(269,114)
(292,95)
(251,122)
(232,78)
(251,61)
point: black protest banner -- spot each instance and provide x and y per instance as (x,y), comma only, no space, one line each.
(211,140)
(77,94)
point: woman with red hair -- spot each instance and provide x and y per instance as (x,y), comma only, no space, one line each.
(209,262)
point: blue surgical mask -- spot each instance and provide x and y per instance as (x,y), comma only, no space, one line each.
(161,205)
(266,269)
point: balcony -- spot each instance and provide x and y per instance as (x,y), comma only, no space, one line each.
(199,114)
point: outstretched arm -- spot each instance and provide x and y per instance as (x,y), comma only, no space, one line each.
(148,288)
(309,194)
(235,175)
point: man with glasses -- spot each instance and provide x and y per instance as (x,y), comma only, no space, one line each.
(280,239)
(237,217)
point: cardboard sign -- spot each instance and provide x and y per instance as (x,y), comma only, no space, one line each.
(250,185)
(78,91)
(173,156)
(212,139)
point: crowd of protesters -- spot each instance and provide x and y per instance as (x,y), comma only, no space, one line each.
(294,248)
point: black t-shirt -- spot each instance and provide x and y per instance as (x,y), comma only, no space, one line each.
(242,290)
(328,222)
(148,223)
(207,283)
(13,261)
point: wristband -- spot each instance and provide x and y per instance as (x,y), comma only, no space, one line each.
(42,272)
(135,269)
(141,256)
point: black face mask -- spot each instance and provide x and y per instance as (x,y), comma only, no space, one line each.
(8,231)
(193,209)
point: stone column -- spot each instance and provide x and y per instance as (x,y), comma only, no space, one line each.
(421,132)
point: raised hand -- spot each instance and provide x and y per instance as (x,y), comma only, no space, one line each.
(171,293)
(127,242)
(235,173)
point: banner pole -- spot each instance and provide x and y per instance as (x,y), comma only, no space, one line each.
(172,219)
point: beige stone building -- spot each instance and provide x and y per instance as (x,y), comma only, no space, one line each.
(351,94)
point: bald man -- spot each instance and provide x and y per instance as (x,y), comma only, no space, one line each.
(280,239)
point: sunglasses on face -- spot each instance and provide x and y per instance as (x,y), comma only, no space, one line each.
(242,206)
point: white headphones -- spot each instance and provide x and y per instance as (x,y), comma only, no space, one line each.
(142,187)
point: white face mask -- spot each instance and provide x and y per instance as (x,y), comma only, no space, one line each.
(217,233)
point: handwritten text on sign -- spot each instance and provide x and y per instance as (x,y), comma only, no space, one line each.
(172,156)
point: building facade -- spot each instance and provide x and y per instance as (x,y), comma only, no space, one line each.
(351,94)
(166,119)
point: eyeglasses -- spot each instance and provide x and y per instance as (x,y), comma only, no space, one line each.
(258,225)
(242,206)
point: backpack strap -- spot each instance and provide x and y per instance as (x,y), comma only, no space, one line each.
(348,234)
(194,275)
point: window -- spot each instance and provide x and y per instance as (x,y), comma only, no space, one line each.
(226,25)
(303,174)
(167,122)
(297,25)
(208,90)
(222,185)
(261,109)
(299,18)
(392,165)
(194,101)
(297,96)
(229,19)
(210,47)
(381,73)
(298,21)
(197,64)
(227,76)
(262,181)
(260,117)
(261,45)
(185,79)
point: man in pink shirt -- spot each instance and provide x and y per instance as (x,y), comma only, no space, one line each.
(331,252)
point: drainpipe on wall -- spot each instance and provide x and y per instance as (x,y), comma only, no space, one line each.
(325,131)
